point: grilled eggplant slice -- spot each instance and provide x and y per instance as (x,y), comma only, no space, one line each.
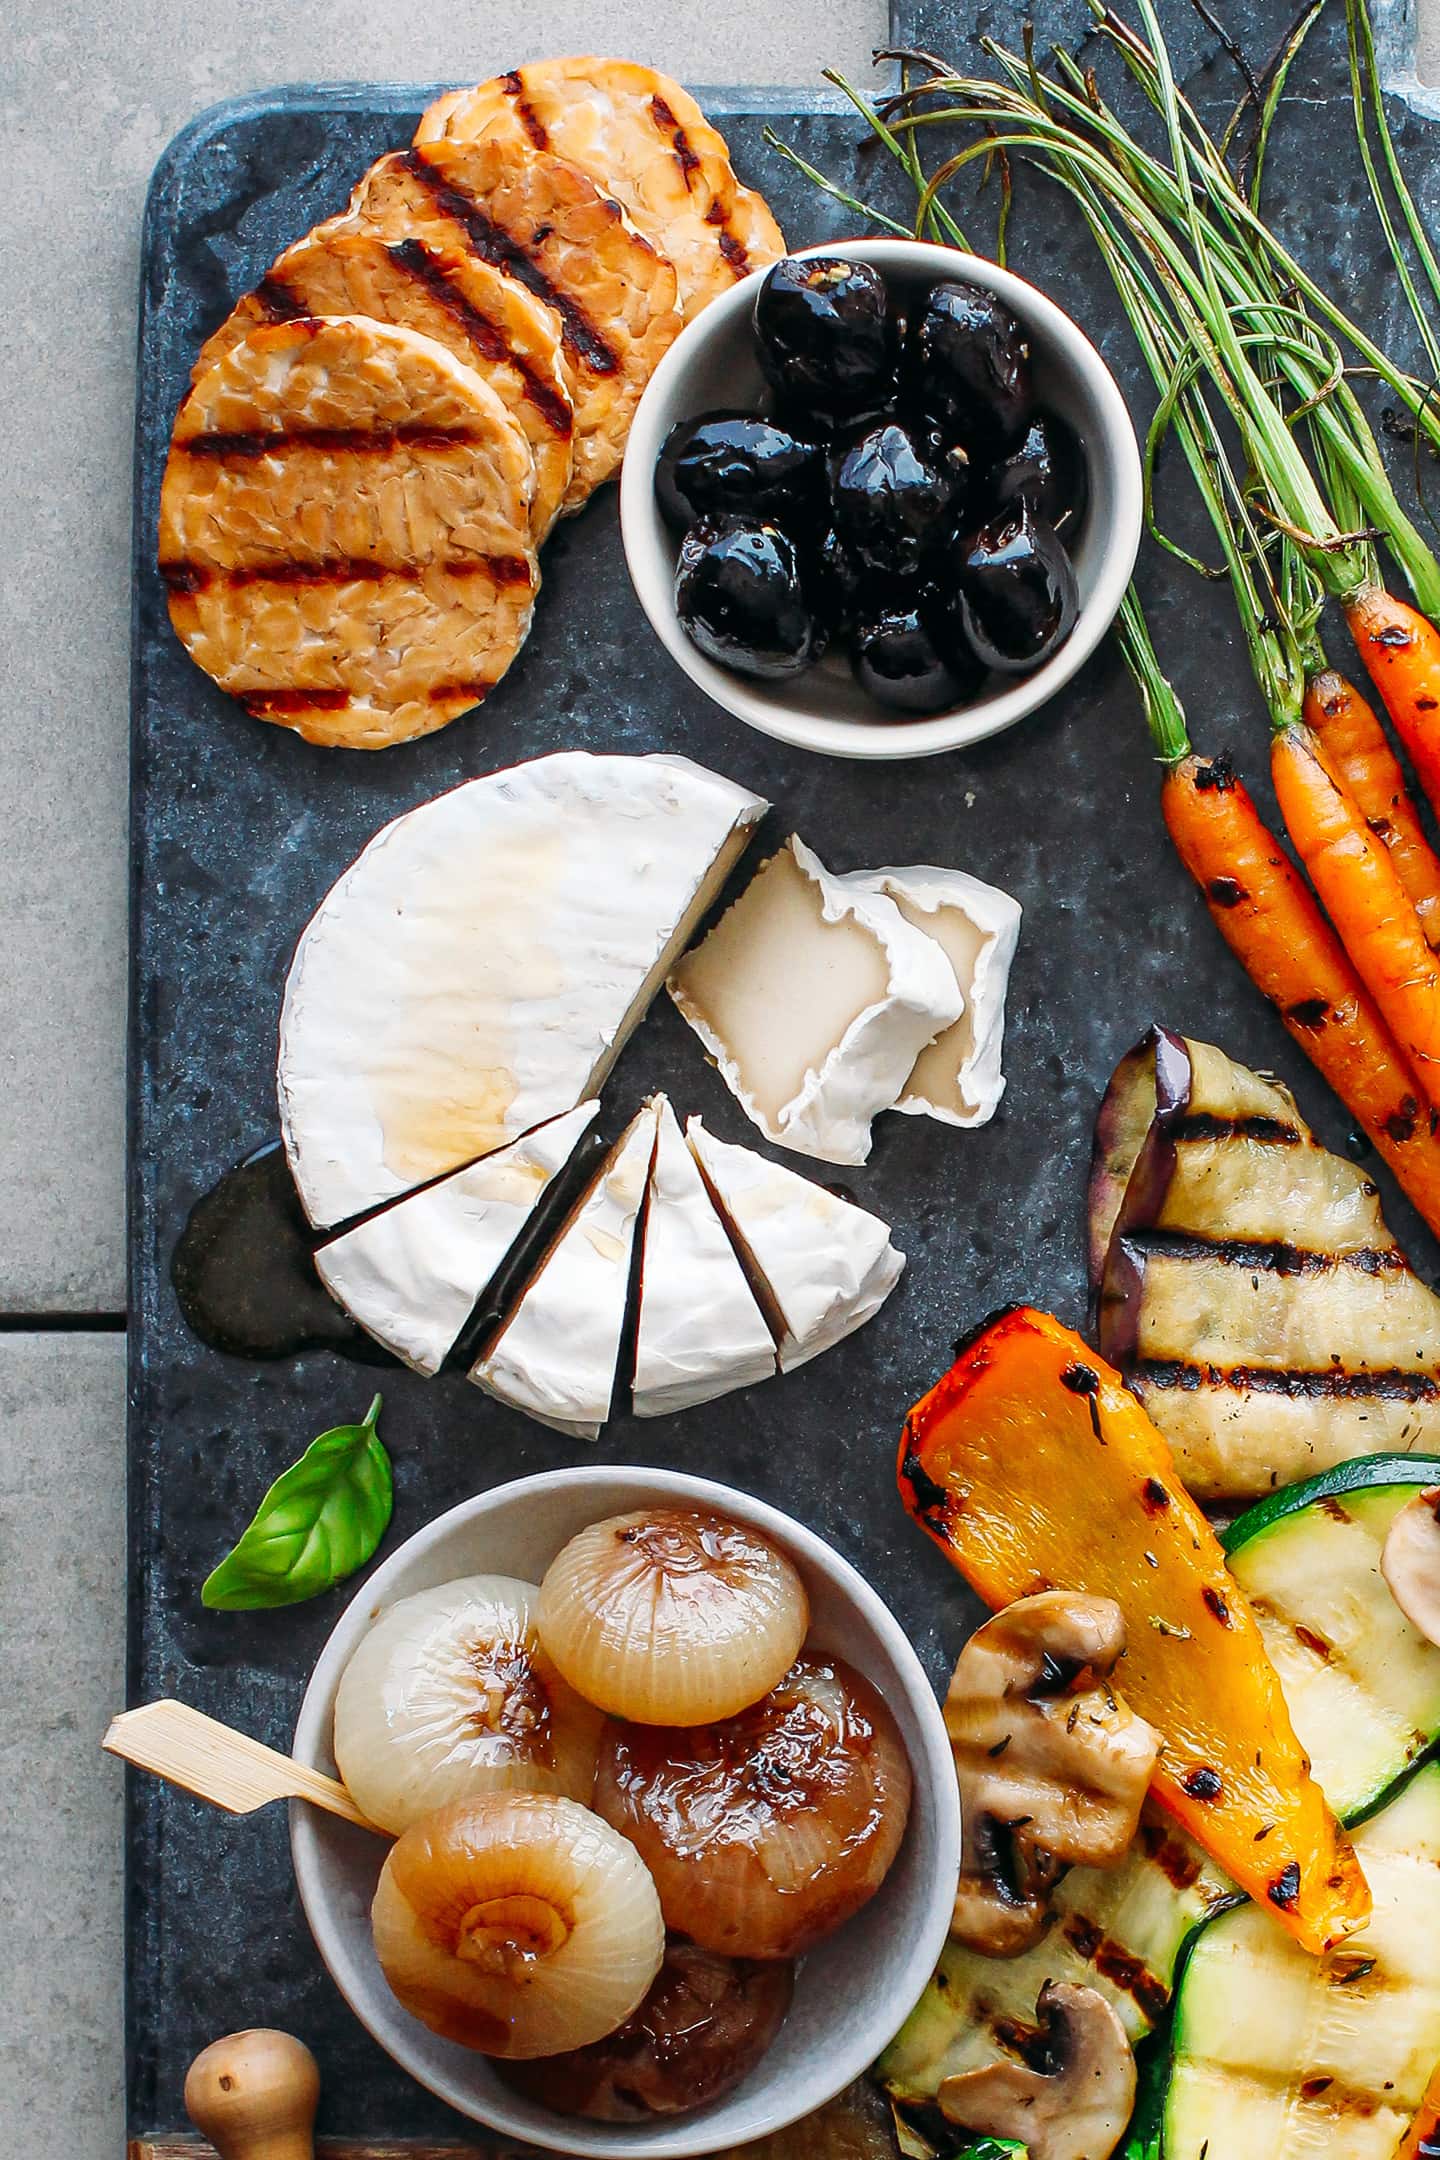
(1250,1291)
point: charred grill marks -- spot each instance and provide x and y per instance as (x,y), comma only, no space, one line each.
(1205,1125)
(191,577)
(1272,1257)
(1332,1383)
(495,245)
(366,442)
(429,269)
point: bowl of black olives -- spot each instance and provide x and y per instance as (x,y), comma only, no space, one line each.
(882,499)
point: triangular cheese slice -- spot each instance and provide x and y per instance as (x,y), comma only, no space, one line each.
(821,1265)
(701,1331)
(413,1275)
(479,967)
(555,1357)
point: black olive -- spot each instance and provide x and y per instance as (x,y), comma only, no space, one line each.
(737,464)
(739,596)
(893,502)
(1047,469)
(825,335)
(898,662)
(1015,589)
(967,367)
(838,584)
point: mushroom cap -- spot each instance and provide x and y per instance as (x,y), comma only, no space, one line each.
(1053,1766)
(1075,2105)
(1410,1562)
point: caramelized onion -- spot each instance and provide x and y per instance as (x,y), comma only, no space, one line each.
(703,2026)
(766,1831)
(517,1924)
(451,1693)
(672,1616)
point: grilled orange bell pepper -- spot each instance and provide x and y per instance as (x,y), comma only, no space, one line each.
(1034,1468)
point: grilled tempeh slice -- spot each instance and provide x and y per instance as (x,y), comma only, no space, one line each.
(345,530)
(1251,1292)
(641,138)
(488,320)
(541,221)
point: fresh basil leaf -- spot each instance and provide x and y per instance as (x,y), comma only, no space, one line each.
(320,1521)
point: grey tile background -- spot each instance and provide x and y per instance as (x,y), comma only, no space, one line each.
(88,99)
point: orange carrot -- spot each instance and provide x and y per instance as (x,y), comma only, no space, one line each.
(1362,894)
(1358,751)
(1401,651)
(1268,917)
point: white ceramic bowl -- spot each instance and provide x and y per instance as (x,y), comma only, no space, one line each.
(852,1992)
(712,364)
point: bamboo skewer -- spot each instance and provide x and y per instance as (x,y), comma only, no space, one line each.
(220,1765)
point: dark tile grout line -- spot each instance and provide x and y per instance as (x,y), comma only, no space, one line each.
(62,1323)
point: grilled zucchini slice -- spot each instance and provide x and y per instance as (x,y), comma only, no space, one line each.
(1276,2052)
(1362,1685)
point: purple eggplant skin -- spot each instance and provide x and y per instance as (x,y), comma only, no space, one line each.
(1121,1123)
(1118,1293)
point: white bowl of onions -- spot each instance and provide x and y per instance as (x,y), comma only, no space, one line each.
(673,1805)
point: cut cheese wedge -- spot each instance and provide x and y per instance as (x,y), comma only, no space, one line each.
(957,1078)
(413,1275)
(815,999)
(555,1357)
(478,969)
(701,1331)
(820,1266)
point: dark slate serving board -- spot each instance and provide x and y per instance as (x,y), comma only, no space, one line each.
(239,829)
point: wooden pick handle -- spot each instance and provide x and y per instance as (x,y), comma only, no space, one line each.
(254,2095)
(220,1765)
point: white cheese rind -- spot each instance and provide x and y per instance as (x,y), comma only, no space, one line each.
(826,1265)
(701,1333)
(901,1004)
(480,965)
(555,1357)
(957,1078)
(413,1275)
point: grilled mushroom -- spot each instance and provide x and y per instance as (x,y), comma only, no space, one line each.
(1072,2101)
(1410,1562)
(1053,1766)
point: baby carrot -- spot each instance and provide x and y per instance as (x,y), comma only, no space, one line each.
(1361,893)
(1359,753)
(1401,651)
(1268,917)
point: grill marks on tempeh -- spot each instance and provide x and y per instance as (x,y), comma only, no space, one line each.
(348,550)
(473,309)
(644,140)
(539,220)
(1252,1293)
(363,576)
